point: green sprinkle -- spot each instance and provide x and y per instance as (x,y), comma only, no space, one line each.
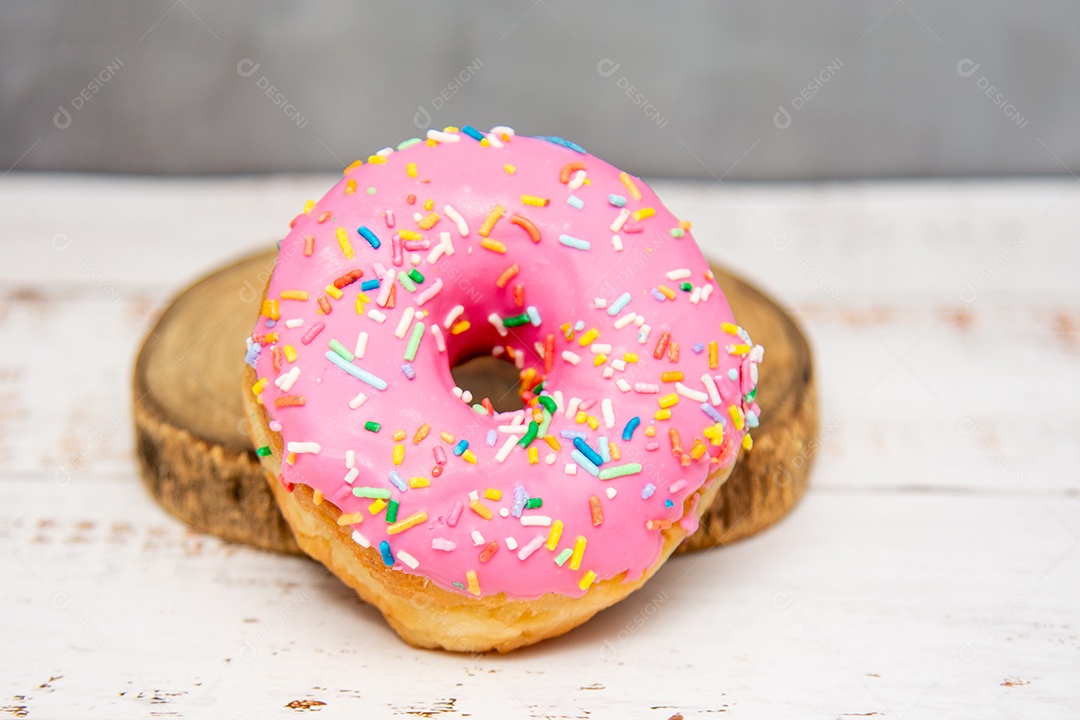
(406,282)
(371,492)
(372,426)
(341,350)
(516,320)
(391,511)
(530,434)
(548,402)
(371,191)
(479,409)
(263,451)
(677,232)
(751,395)
(616,471)
(538,387)
(686,287)
(458,585)
(414,342)
(416,276)
(533,503)
(562,557)
(408,143)
(544,424)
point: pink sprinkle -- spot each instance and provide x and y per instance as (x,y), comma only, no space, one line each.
(440,455)
(396,242)
(677,486)
(340,494)
(312,333)
(455,514)
(389,218)
(441,543)
(414,245)
(652,445)
(430,292)
(632,227)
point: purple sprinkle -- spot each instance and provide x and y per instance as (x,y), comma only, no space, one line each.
(698,348)
(492,436)
(713,413)
(571,434)
(647,491)
(408,371)
(658,295)
(520,498)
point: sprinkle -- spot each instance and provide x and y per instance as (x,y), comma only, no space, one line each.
(372,426)
(643,214)
(695,395)
(455,514)
(712,412)
(572,358)
(304,447)
(312,333)
(366,233)
(587,580)
(620,302)
(407,559)
(617,471)
(459,221)
(392,511)
(596,511)
(489,551)
(666,291)
(445,137)
(710,386)
(563,556)
(507,275)
(530,547)
(661,344)
(573,242)
(736,416)
(414,341)
(628,183)
(398,455)
(411,521)
(527,225)
(554,535)
(608,411)
(489,222)
(579,551)
(588,452)
(357,401)
(534,503)
(371,492)
(350,519)
(575,202)
(714,355)
(474,584)
(582,460)
(495,320)
(669,400)
(631,426)
(616,243)
(356,372)
(493,246)
(387,557)
(444,544)
(480,509)
(398,481)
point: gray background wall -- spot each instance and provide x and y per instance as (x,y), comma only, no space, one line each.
(901,84)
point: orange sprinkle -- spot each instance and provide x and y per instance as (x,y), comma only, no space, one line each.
(553,442)
(290,401)
(569,169)
(673,352)
(671,376)
(676,442)
(316,497)
(270,309)
(477,507)
(596,511)
(507,275)
(666,291)
(661,345)
(447,437)
(659,524)
(350,186)
(355,164)
(519,295)
(527,225)
(429,221)
(628,183)
(309,245)
(549,353)
(614,450)
(493,245)
(489,551)
(421,433)
(350,519)
(324,216)
(714,355)
(489,222)
(474,584)
(460,327)
(697,449)
(399,435)
(324,305)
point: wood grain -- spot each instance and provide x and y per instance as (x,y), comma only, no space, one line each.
(197,460)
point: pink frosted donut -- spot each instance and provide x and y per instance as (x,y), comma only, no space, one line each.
(637,386)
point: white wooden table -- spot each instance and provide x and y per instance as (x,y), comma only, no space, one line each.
(932,570)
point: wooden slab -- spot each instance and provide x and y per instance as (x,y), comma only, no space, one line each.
(197,459)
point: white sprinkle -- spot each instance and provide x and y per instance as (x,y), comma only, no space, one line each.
(624,215)
(440,136)
(417,217)
(619,364)
(695,395)
(504,451)
(710,385)
(500,130)
(294,322)
(598,348)
(639,320)
(706,292)
(477,538)
(646,388)
(404,323)
(536,520)
(377,315)
(531,547)
(462,226)
(611,492)
(357,401)
(453,315)
(625,320)
(408,559)
(511,543)
(517,429)
(504,512)
(361,345)
(616,243)
(457,391)
(643,334)
(385,287)
(474,496)
(572,358)
(430,292)
(436,253)
(360,539)
(570,469)
(287,380)
(757,354)
(622,385)
(440,341)
(350,477)
(572,406)
(609,412)
(608,373)
(577,180)
(679,274)
(304,447)
(444,544)
(467,396)
(695,295)
(550,458)
(385,152)
(599,303)
(350,458)
(495,320)
(558,400)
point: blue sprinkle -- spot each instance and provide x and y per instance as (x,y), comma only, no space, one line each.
(658,295)
(712,412)
(407,371)
(579,325)
(620,302)
(571,434)
(271,323)
(368,285)
(576,202)
(647,491)
(616,200)
(534,315)
(733,374)
(631,426)
(473,133)
(751,419)
(387,558)
(460,447)
(399,482)
(605,450)
(588,452)
(253,354)
(366,233)
(698,348)
(669,503)
(520,497)
(555,140)
(576,243)
(589,465)
(492,436)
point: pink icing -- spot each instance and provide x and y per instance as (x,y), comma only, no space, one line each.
(564,285)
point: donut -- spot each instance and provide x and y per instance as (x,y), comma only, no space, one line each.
(473,529)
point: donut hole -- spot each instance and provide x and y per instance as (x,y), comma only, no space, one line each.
(495,378)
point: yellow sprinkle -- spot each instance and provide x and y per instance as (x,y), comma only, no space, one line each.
(474,584)
(553,442)
(410,170)
(484,142)
(697,449)
(429,221)
(493,245)
(272,337)
(553,535)
(534,455)
(628,183)
(410,235)
(510,169)
(350,519)
(469,456)
(579,550)
(270,309)
(376,160)
(294,295)
(581,417)
(447,437)
(451,129)
(428,204)
(431,143)
(593,421)
(359,305)
(740,349)
(316,497)
(747,441)
(535,201)
(399,454)
(419,482)
(343,241)
(671,376)
(259,386)
(668,400)
(614,450)
(730,328)
(399,435)
(333,291)
(460,327)
(643,214)
(350,185)
(479,508)
(663,414)
(490,220)
(309,206)
(403,525)
(586,580)
(291,458)
(355,164)
(715,433)
(290,353)
(588,337)
(666,291)
(630,357)
(736,416)
(493,494)
(377,506)
(421,433)
(599,360)
(650,431)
